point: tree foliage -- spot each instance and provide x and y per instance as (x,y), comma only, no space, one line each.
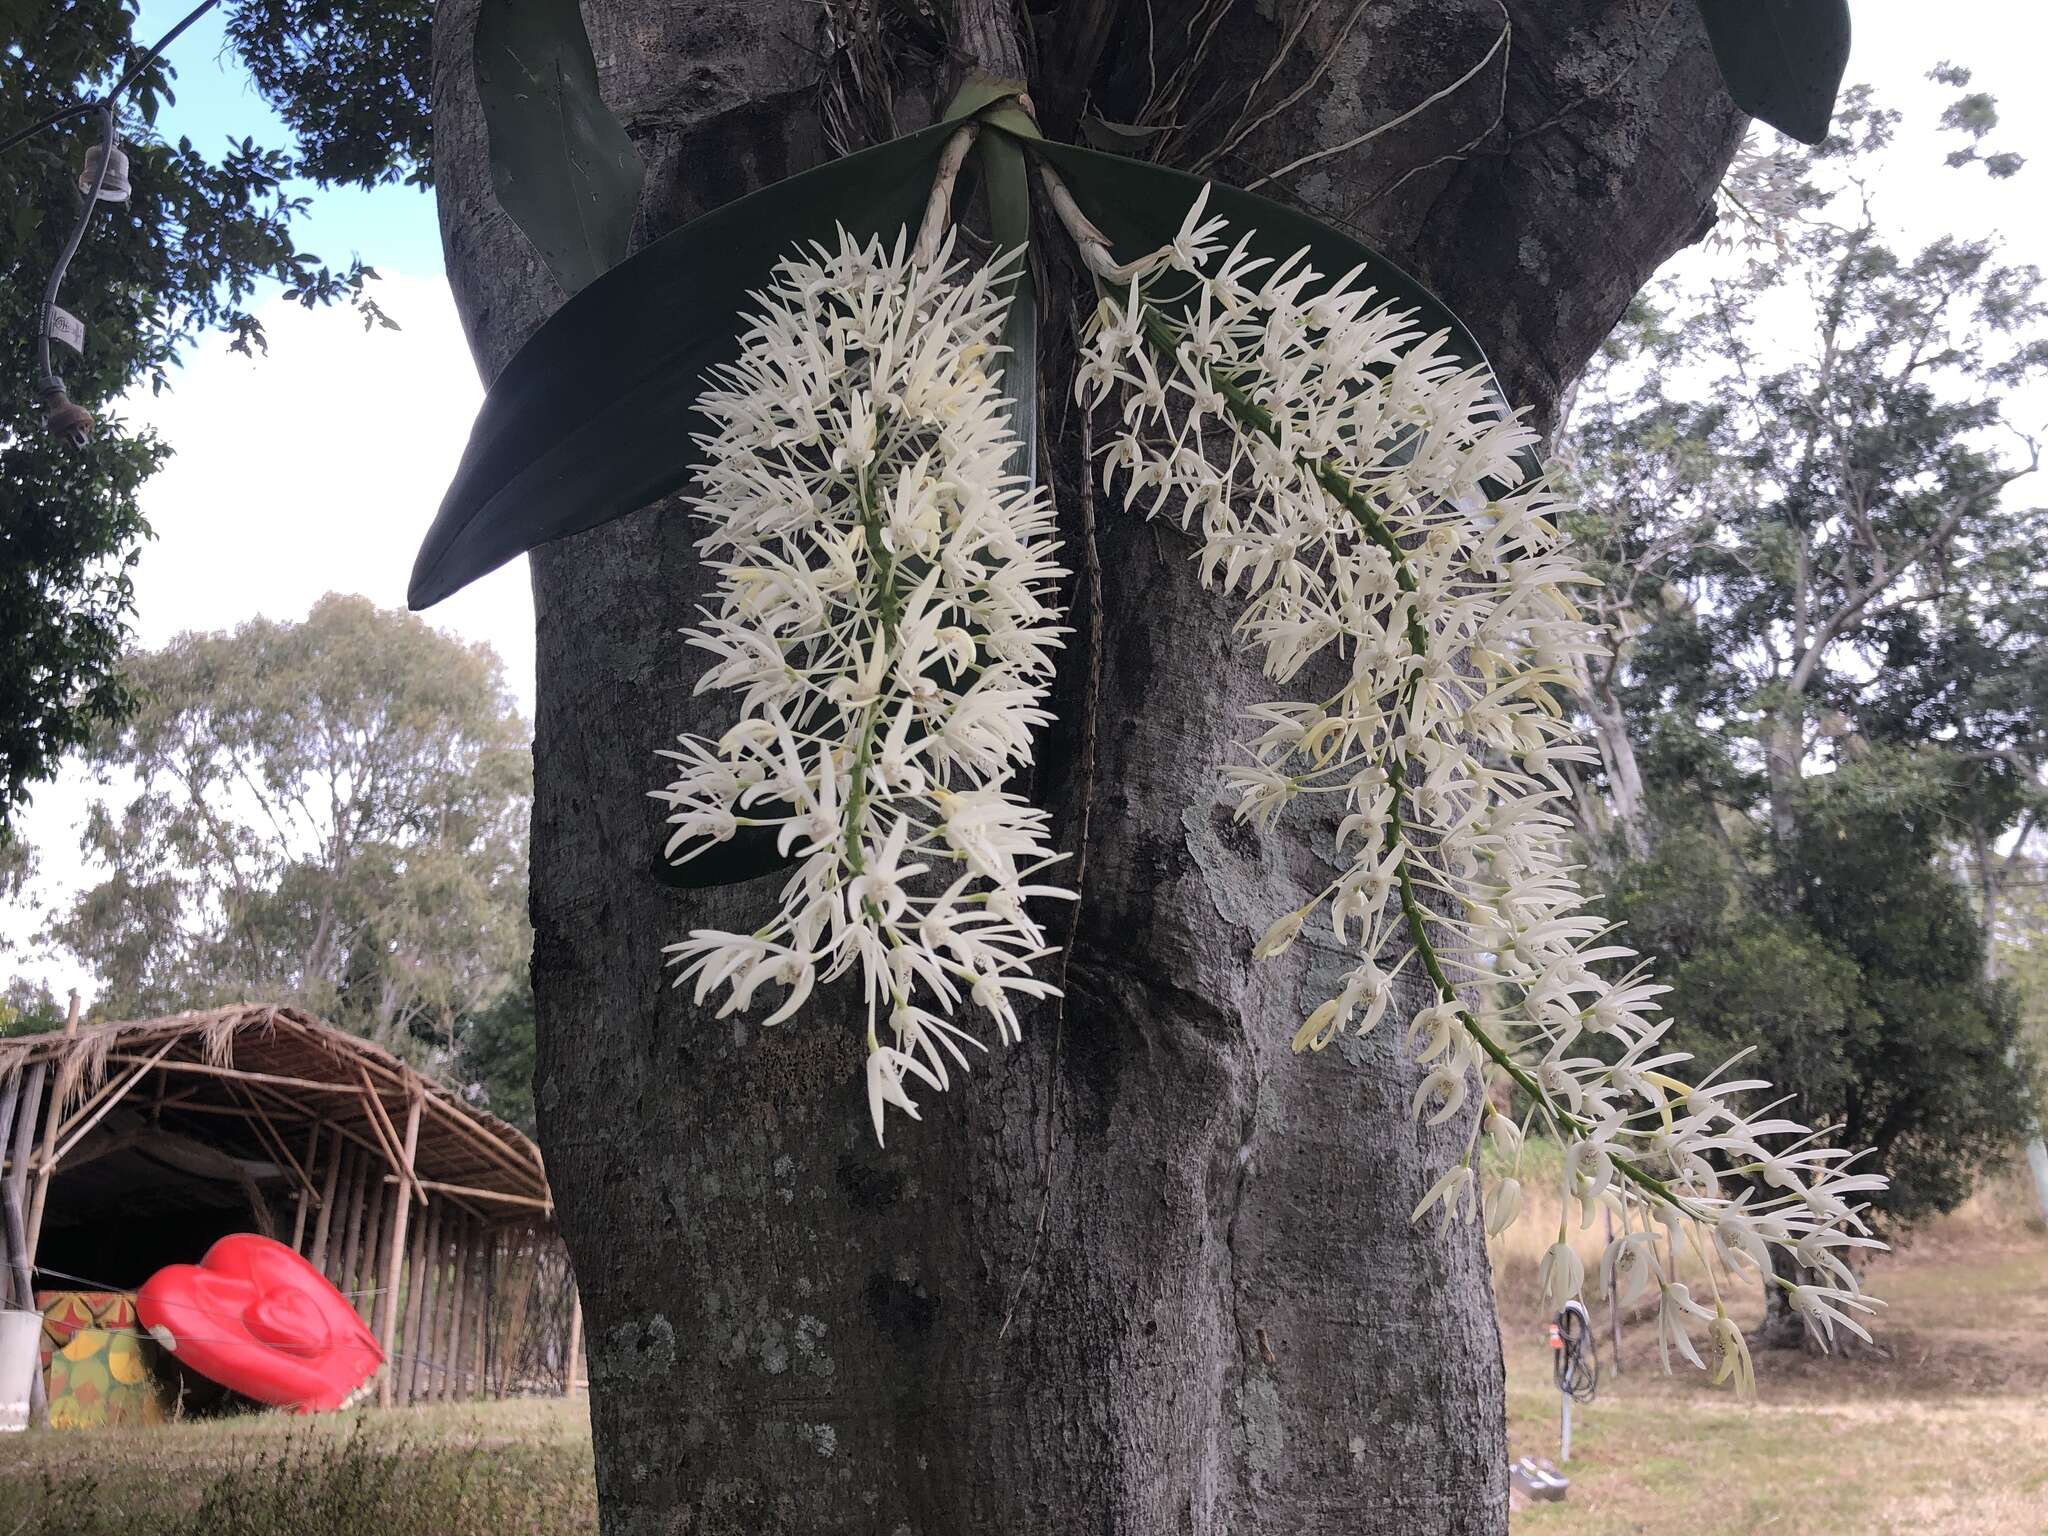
(207,230)
(1825,598)
(331,813)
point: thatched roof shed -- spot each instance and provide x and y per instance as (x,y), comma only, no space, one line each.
(133,1145)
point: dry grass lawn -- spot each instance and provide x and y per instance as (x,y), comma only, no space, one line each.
(1948,1437)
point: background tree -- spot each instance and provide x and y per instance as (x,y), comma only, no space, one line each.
(206,230)
(1825,600)
(331,813)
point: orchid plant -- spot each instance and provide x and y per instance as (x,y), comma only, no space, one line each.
(887,618)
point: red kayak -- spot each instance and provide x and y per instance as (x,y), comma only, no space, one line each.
(255,1317)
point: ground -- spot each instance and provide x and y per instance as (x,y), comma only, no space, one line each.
(1949,1437)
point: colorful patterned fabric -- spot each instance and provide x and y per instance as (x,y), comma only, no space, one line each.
(97,1367)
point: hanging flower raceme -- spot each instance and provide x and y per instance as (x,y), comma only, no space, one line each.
(1358,486)
(885,620)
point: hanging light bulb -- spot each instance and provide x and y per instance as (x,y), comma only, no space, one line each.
(113,187)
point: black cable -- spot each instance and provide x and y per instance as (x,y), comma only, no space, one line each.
(162,43)
(45,374)
(1574,1361)
(79,109)
(66,419)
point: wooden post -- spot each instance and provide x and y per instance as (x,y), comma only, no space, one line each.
(324,1223)
(408,1358)
(305,1190)
(14,1244)
(575,1354)
(349,1238)
(442,1353)
(24,1132)
(492,1328)
(515,1324)
(458,1299)
(19,1280)
(395,1249)
(451,1343)
(480,1309)
(365,1286)
(52,1119)
(419,1307)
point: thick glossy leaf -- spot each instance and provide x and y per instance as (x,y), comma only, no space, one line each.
(747,855)
(593,418)
(1140,206)
(1782,59)
(561,165)
(1009,201)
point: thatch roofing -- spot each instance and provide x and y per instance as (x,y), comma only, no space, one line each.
(277,1071)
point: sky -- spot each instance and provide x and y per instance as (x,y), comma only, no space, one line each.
(318,467)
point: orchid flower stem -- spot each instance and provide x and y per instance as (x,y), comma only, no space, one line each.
(1252,415)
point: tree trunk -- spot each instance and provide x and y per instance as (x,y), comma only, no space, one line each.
(1146,1272)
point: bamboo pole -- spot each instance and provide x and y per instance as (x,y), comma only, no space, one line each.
(515,1331)
(480,1307)
(306,1191)
(458,1295)
(243,1075)
(14,1243)
(464,1123)
(488,1334)
(387,1133)
(351,1235)
(18,1105)
(101,1104)
(324,1223)
(24,1131)
(573,1357)
(434,1307)
(474,1192)
(441,1354)
(397,1250)
(408,1360)
(420,1304)
(365,1284)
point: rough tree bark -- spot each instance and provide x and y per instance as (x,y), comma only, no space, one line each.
(1146,1272)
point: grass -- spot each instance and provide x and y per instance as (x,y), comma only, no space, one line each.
(1947,1437)
(518,1468)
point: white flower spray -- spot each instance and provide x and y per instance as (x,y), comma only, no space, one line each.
(885,616)
(1360,488)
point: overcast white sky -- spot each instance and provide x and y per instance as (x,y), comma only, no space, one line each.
(318,467)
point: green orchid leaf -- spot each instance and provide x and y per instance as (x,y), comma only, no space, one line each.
(747,855)
(1009,200)
(561,165)
(593,418)
(1782,59)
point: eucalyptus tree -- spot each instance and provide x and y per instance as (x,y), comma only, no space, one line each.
(1150,1274)
(1824,596)
(1814,533)
(329,812)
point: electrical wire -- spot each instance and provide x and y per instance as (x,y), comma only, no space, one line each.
(49,385)
(79,109)
(1574,1360)
(46,375)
